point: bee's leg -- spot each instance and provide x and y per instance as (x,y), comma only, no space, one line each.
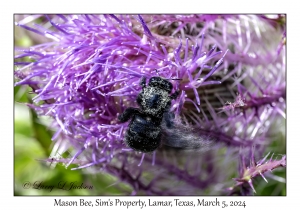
(169,118)
(143,82)
(175,94)
(127,114)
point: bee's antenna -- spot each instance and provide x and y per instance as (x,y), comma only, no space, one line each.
(174,79)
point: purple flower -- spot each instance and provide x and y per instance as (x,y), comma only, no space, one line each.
(232,91)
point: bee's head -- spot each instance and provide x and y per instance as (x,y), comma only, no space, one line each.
(161,83)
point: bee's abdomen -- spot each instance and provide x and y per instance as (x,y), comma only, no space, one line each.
(143,135)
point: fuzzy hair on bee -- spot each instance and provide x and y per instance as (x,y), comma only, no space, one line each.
(154,101)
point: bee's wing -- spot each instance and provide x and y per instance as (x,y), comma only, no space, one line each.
(186,138)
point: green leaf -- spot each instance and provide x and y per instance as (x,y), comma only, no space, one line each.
(41,133)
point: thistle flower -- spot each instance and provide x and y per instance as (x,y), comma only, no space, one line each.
(232,90)
(256,168)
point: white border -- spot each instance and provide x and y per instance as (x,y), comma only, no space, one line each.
(153,6)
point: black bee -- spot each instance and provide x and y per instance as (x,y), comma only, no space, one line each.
(144,131)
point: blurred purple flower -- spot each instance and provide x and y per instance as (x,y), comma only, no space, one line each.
(233,89)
